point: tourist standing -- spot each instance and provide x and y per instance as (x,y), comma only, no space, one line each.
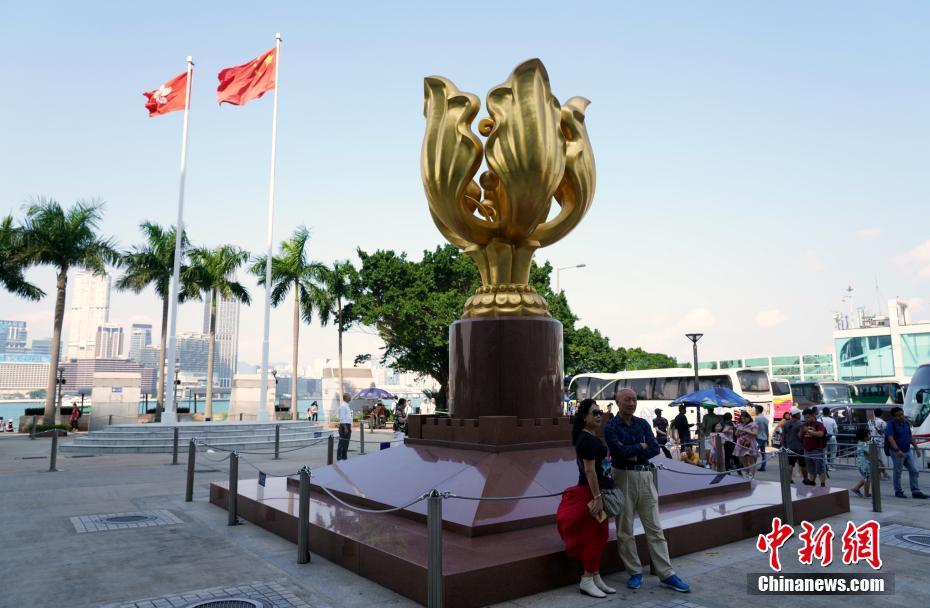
(746,449)
(862,463)
(762,438)
(631,445)
(829,423)
(314,411)
(75,416)
(660,424)
(792,442)
(877,434)
(682,431)
(900,440)
(580,518)
(778,434)
(345,428)
(728,431)
(813,437)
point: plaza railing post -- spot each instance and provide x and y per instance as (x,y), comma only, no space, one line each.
(784,474)
(110,420)
(361,435)
(54,455)
(329,450)
(303,517)
(875,475)
(232,500)
(240,416)
(174,448)
(720,454)
(32,433)
(277,441)
(434,550)
(191,457)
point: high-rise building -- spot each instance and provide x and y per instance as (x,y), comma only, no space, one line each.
(90,308)
(192,353)
(41,346)
(149,356)
(13,335)
(227,339)
(109,341)
(140,336)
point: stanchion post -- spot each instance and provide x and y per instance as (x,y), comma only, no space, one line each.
(277,442)
(875,474)
(329,450)
(434,550)
(303,517)
(361,435)
(174,449)
(240,416)
(232,499)
(720,454)
(784,474)
(110,420)
(191,458)
(54,455)
(32,433)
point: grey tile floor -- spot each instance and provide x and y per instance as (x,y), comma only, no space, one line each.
(123,521)
(273,594)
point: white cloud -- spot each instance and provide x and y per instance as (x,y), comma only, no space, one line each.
(915,304)
(770,318)
(696,320)
(870,233)
(918,256)
(811,262)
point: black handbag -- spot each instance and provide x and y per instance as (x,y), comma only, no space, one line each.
(613,501)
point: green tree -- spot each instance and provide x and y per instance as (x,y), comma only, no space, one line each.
(336,304)
(12,266)
(64,239)
(291,270)
(211,275)
(152,263)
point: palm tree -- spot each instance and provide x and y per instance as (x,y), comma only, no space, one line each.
(11,263)
(292,269)
(64,239)
(210,275)
(152,263)
(338,284)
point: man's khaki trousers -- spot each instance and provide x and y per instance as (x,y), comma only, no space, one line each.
(640,498)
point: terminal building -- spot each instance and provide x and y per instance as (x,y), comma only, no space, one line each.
(793,368)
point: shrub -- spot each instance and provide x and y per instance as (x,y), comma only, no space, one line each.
(40,411)
(47,427)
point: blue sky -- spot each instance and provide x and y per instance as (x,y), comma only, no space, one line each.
(753,159)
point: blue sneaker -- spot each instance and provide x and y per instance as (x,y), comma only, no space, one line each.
(636,581)
(676,583)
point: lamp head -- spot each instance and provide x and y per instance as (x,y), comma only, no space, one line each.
(694,337)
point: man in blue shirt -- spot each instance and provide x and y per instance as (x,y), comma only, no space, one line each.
(899,439)
(632,445)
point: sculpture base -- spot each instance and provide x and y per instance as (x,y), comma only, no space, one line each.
(505,366)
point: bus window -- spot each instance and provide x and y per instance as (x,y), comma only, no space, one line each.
(642,387)
(602,390)
(581,388)
(836,393)
(715,381)
(780,388)
(753,381)
(669,389)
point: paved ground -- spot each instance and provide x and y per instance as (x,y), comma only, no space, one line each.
(47,560)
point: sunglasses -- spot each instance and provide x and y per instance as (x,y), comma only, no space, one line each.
(596,412)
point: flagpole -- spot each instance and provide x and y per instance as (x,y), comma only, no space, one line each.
(262,415)
(169,416)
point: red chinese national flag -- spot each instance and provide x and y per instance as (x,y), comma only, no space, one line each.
(249,81)
(168,97)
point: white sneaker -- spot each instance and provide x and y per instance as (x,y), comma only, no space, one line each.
(588,587)
(600,584)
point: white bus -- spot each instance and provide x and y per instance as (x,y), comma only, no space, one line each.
(917,402)
(659,387)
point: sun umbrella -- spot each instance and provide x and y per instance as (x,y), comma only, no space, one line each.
(712,397)
(372,394)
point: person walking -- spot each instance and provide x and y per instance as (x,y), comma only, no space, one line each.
(345,428)
(876,428)
(682,431)
(862,463)
(900,441)
(314,411)
(829,423)
(660,424)
(75,415)
(792,442)
(813,438)
(580,518)
(762,438)
(746,449)
(632,445)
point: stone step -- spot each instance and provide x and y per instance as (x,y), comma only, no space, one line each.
(166,448)
(169,440)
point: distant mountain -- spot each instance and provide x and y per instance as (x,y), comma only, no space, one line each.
(244,367)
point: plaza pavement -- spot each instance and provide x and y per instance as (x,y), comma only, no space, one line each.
(53,554)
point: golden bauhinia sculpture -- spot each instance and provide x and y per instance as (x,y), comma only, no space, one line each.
(537,153)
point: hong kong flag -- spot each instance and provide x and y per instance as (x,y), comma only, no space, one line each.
(243,83)
(168,97)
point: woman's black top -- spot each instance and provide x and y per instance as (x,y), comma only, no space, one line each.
(590,447)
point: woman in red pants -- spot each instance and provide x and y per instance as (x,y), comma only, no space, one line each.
(580,518)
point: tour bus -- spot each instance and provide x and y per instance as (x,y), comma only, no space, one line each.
(917,402)
(782,399)
(659,387)
(815,392)
(881,390)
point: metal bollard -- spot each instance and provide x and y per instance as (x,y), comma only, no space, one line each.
(303,517)
(240,416)
(54,456)
(110,420)
(191,457)
(174,449)
(32,433)
(361,435)
(702,448)
(875,474)
(784,474)
(277,441)
(329,450)
(720,454)
(434,550)
(232,498)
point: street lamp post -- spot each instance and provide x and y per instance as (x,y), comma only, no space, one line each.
(177,383)
(697,386)
(60,381)
(558,270)
(274,404)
